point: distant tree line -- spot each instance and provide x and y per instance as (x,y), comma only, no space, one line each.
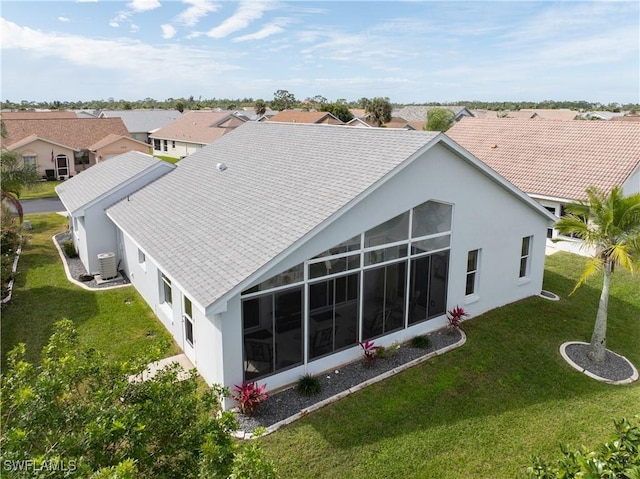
(283,100)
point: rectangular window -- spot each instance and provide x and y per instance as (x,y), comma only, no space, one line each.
(164,145)
(472,271)
(383,300)
(166,290)
(333,314)
(141,257)
(156,145)
(173,144)
(29,160)
(188,321)
(272,325)
(525,254)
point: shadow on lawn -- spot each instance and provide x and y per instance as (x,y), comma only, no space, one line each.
(511,361)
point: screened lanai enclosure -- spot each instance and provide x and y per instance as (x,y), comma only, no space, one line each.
(383,280)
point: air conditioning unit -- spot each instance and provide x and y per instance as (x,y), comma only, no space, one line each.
(108,265)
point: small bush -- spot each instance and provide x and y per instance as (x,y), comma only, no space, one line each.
(249,396)
(308,385)
(69,249)
(370,351)
(422,342)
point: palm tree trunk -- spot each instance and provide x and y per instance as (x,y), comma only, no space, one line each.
(599,336)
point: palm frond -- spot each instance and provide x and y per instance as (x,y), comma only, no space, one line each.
(593,266)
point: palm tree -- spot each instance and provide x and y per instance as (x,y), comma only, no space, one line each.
(378,111)
(610,225)
(15,177)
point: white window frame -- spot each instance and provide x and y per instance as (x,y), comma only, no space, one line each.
(188,318)
(474,293)
(526,257)
(30,160)
(164,284)
(142,258)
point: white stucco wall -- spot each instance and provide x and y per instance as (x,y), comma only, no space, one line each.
(180,150)
(97,233)
(485,216)
(632,185)
(207,331)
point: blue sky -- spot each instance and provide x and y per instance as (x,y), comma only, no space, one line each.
(417,51)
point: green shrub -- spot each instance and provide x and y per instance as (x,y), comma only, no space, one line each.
(620,457)
(308,385)
(422,342)
(69,249)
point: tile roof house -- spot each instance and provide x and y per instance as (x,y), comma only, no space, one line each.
(563,114)
(61,147)
(315,117)
(141,123)
(555,161)
(274,250)
(86,196)
(418,113)
(36,115)
(192,131)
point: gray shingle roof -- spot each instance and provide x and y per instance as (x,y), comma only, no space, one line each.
(104,177)
(209,229)
(144,121)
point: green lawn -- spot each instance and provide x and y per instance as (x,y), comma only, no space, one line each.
(482,410)
(168,159)
(479,411)
(42,189)
(116,321)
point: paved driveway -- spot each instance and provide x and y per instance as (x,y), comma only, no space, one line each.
(43,205)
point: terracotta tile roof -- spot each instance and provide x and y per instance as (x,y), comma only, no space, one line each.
(107,140)
(293,116)
(76,133)
(553,158)
(199,126)
(37,115)
(626,118)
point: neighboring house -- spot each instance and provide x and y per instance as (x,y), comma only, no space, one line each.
(61,147)
(358,123)
(86,196)
(114,145)
(562,114)
(310,117)
(274,250)
(395,122)
(192,131)
(601,115)
(142,123)
(555,161)
(418,113)
(36,115)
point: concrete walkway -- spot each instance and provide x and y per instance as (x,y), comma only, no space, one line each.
(153,368)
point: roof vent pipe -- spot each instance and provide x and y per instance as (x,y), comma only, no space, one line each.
(221,167)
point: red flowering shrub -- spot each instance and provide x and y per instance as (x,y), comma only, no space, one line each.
(249,397)
(456,316)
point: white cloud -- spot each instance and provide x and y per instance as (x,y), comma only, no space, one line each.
(168,31)
(124,57)
(272,29)
(134,28)
(247,12)
(198,9)
(64,19)
(113,23)
(260,34)
(139,6)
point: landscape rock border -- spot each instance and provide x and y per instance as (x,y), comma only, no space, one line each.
(618,366)
(248,434)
